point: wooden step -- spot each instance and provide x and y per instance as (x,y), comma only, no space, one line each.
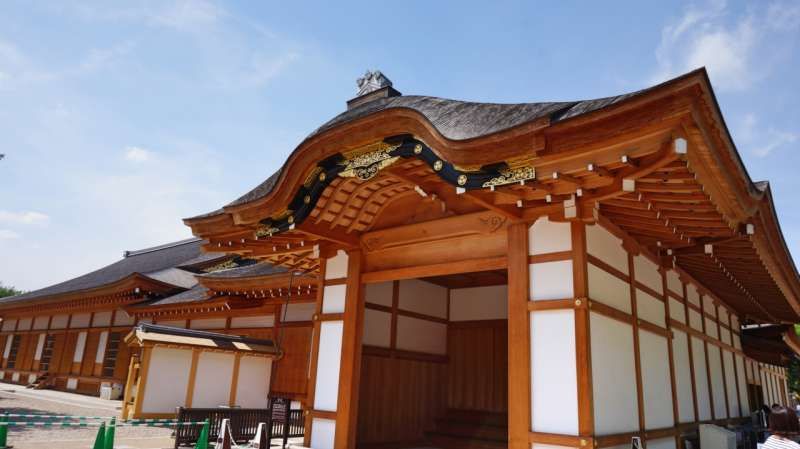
(470,430)
(477,417)
(453,442)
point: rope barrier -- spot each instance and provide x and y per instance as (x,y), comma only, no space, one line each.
(15,415)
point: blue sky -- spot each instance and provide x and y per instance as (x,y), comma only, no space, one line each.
(118,119)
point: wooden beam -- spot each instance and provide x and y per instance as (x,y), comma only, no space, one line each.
(322,232)
(583,349)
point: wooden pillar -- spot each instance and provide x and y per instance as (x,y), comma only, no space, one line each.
(583,349)
(519,375)
(350,370)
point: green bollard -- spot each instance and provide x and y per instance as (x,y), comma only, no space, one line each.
(109,440)
(3,431)
(202,440)
(101,436)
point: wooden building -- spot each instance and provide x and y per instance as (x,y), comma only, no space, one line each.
(70,336)
(535,275)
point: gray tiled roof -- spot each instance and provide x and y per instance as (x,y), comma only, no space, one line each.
(456,120)
(144,261)
(196,293)
(257,269)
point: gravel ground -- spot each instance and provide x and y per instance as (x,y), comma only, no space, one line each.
(14,400)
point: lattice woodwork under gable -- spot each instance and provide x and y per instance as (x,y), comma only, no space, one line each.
(351,204)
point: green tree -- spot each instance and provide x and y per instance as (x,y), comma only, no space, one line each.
(9,291)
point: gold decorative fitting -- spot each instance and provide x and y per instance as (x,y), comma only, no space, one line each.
(418,148)
(462,179)
(290,220)
(265,231)
(577,302)
(437,165)
(512,176)
(322,176)
(307,199)
(365,166)
(312,176)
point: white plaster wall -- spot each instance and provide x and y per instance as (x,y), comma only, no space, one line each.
(80,345)
(692,295)
(336,267)
(674,283)
(80,320)
(708,306)
(549,446)
(7,349)
(102,319)
(212,383)
(717,387)
(711,328)
(676,310)
(9,324)
(649,308)
(39,346)
(551,280)
(328,364)
(121,318)
(172,323)
(421,335)
(59,321)
(546,236)
(695,320)
(101,347)
(322,433)
(656,388)
(380,293)
(613,376)
(40,322)
(661,443)
(163,393)
(605,246)
(609,289)
(730,383)
(377,328)
(423,297)
(333,297)
(683,376)
(725,336)
(479,303)
(24,324)
(298,312)
(252,388)
(208,323)
(554,378)
(647,273)
(701,379)
(240,322)
(72,383)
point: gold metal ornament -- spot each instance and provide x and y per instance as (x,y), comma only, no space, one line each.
(307,199)
(511,176)
(290,219)
(265,231)
(462,179)
(322,176)
(418,148)
(437,165)
(365,166)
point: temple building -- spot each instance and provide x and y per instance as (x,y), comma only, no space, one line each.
(71,336)
(425,272)
(546,275)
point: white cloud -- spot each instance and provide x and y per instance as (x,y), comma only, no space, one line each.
(784,16)
(24,218)
(5,234)
(762,142)
(138,154)
(737,50)
(701,37)
(187,14)
(772,140)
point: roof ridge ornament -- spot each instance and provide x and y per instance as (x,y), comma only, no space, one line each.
(372,81)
